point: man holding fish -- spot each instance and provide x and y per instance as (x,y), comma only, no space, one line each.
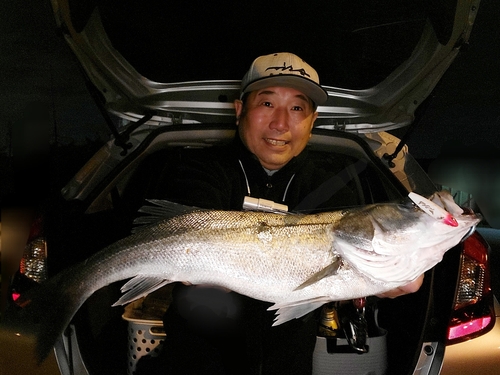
(216,331)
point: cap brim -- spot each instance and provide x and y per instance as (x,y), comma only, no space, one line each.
(314,91)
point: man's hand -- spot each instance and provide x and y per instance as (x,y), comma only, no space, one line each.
(405,289)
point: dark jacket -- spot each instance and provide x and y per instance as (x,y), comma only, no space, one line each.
(217,178)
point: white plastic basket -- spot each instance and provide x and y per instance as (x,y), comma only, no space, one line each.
(145,336)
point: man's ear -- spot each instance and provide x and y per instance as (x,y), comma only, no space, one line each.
(315,116)
(238,107)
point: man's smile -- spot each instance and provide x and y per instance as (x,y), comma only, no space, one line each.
(275,142)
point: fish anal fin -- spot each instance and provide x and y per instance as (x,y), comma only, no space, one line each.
(138,287)
(296,309)
(325,272)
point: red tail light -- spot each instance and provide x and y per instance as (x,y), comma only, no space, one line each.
(33,264)
(473,312)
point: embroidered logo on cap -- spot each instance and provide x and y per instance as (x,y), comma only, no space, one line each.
(290,68)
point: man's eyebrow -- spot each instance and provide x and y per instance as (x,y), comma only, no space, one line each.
(303,97)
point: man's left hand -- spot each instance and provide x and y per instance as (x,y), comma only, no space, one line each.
(405,289)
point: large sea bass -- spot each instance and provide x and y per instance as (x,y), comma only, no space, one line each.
(298,262)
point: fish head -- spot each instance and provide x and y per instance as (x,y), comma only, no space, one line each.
(396,243)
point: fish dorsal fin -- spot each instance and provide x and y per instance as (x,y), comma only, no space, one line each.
(296,309)
(325,272)
(138,287)
(161,210)
(175,218)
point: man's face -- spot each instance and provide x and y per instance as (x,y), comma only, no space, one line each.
(275,124)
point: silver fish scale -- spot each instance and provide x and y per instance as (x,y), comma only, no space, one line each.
(248,256)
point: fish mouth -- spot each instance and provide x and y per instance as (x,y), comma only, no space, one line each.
(276,142)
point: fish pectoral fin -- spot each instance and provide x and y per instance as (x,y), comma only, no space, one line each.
(329,270)
(138,287)
(293,310)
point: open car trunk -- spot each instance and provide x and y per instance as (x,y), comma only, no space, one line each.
(413,326)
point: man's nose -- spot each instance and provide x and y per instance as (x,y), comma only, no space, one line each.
(279,120)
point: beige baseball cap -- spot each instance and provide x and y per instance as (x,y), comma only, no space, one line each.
(287,70)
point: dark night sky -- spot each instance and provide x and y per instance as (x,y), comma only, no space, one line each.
(39,70)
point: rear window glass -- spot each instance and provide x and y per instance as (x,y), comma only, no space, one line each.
(351,44)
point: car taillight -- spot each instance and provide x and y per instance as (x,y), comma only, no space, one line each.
(34,261)
(473,313)
(33,264)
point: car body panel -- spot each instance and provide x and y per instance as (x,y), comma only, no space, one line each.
(17,355)
(477,356)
